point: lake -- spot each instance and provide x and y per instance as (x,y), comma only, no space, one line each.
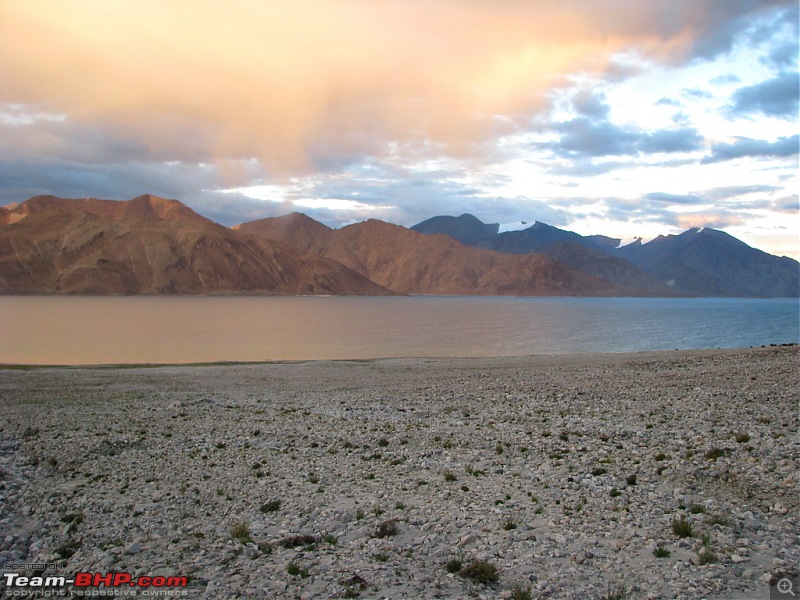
(109,330)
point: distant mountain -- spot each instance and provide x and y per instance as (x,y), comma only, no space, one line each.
(698,262)
(709,262)
(413,263)
(467,229)
(612,269)
(150,245)
(296,229)
(410,262)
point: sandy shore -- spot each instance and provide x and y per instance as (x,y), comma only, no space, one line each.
(379,479)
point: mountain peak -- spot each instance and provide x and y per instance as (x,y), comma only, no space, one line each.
(467,228)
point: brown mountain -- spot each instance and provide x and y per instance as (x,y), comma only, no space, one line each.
(296,229)
(150,245)
(413,263)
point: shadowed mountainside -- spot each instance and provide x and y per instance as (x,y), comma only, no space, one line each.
(698,262)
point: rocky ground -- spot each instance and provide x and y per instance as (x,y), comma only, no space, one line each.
(563,477)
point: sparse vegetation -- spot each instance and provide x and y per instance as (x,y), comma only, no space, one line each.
(715,453)
(240,531)
(681,527)
(386,529)
(520,592)
(661,552)
(271,506)
(480,571)
(454,565)
(293,541)
(296,570)
(706,556)
(509,523)
(618,592)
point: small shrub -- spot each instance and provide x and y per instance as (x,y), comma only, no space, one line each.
(271,506)
(381,557)
(329,538)
(620,592)
(453,565)
(681,527)
(706,556)
(614,493)
(480,571)
(715,453)
(599,471)
(661,552)
(743,437)
(296,570)
(240,531)
(520,592)
(509,523)
(660,456)
(718,519)
(697,509)
(631,479)
(386,529)
(449,476)
(383,442)
(313,478)
(293,541)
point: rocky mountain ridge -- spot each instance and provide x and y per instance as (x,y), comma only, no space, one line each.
(151,245)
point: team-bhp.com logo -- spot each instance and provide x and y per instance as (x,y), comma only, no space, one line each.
(93,584)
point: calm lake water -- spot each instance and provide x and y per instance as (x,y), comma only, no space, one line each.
(103,330)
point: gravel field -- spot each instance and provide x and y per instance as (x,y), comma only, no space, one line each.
(652,475)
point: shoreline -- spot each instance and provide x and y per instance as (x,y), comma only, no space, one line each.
(567,357)
(565,472)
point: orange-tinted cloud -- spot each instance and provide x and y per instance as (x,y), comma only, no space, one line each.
(298,83)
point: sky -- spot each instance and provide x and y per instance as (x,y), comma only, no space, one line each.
(617,117)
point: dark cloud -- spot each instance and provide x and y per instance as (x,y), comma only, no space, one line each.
(776,97)
(744,147)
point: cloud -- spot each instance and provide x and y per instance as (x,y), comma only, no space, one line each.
(592,134)
(309,85)
(663,198)
(747,147)
(708,219)
(776,97)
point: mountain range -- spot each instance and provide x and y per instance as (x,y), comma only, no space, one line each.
(151,245)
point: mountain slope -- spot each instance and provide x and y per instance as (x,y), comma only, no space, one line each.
(409,262)
(711,262)
(152,246)
(467,229)
(296,229)
(697,262)
(413,263)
